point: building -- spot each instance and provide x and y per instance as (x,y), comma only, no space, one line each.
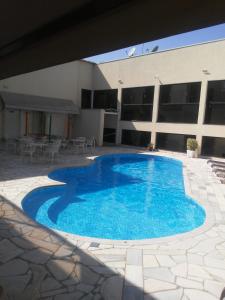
(162,97)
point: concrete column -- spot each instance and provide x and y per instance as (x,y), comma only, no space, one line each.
(153,137)
(199,140)
(22,122)
(118,130)
(201,111)
(101,127)
(202,102)
(155,110)
(155,103)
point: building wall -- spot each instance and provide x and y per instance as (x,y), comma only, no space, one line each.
(168,67)
(89,123)
(10,118)
(63,81)
(110,121)
(172,66)
(59,124)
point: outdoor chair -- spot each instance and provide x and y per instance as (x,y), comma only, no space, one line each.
(44,139)
(64,144)
(11,145)
(27,150)
(52,150)
(90,143)
(80,139)
(80,144)
(218,167)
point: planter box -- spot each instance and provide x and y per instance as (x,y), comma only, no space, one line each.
(192,154)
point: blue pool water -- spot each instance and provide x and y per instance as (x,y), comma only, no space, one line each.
(120,196)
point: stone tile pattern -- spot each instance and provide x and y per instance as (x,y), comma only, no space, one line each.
(36,263)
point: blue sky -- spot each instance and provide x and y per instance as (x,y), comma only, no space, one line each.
(189,38)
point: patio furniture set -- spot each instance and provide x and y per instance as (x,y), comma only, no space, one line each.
(38,148)
(218,167)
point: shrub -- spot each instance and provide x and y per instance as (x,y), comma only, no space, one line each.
(150,146)
(192,144)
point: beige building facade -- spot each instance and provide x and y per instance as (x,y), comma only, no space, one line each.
(183,65)
(200,64)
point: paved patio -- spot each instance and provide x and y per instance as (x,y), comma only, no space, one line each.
(37,263)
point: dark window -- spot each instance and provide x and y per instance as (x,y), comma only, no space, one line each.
(85,98)
(137,103)
(213,146)
(178,103)
(105,99)
(136,138)
(109,135)
(172,142)
(215,103)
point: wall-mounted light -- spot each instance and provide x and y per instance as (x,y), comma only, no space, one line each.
(120,81)
(157,78)
(206,72)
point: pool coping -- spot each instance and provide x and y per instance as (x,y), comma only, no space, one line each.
(210,219)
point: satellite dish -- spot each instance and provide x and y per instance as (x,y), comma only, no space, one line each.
(131,52)
(155,48)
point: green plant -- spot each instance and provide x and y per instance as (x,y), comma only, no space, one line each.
(192,144)
(150,146)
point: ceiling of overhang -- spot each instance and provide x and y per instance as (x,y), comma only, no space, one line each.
(38,34)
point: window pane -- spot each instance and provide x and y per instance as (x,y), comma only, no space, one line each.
(172,142)
(179,103)
(105,99)
(136,138)
(137,103)
(85,98)
(215,103)
(136,113)
(213,146)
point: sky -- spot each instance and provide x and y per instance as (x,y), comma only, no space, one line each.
(179,40)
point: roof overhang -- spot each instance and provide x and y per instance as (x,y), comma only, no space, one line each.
(39,34)
(14,101)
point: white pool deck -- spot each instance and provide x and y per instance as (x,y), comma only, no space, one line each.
(59,266)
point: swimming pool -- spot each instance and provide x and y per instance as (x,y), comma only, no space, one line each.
(119,197)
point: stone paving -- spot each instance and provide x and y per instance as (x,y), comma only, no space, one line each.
(38,263)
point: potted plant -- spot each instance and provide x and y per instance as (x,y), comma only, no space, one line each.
(150,147)
(192,148)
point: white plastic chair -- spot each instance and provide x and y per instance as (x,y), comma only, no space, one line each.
(90,143)
(64,144)
(80,143)
(27,150)
(52,150)
(11,145)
